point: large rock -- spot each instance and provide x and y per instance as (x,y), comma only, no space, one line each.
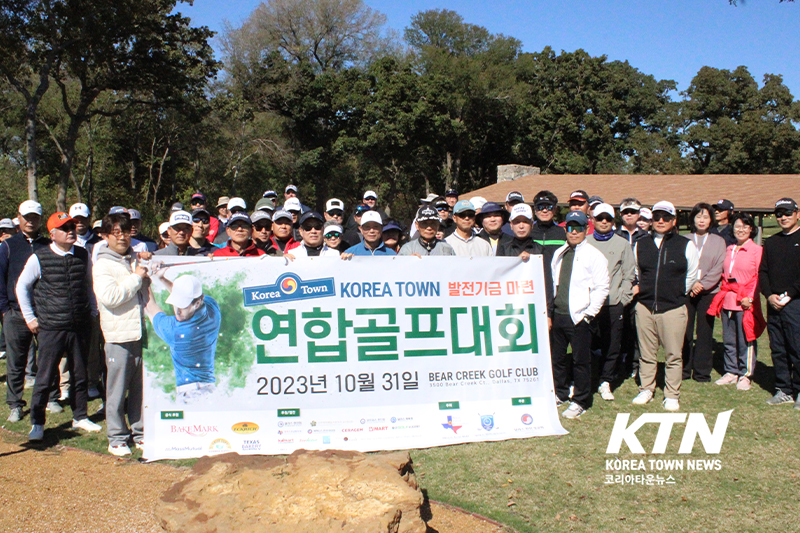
(513,172)
(307,492)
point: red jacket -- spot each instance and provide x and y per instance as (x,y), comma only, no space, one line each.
(289,245)
(250,251)
(753,319)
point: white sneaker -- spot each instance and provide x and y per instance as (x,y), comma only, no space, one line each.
(120,450)
(86,425)
(643,397)
(671,404)
(605,391)
(37,432)
(573,411)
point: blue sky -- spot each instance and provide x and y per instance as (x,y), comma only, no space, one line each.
(670,39)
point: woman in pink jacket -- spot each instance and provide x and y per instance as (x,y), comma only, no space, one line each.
(740,305)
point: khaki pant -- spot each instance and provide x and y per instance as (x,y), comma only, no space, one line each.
(666,329)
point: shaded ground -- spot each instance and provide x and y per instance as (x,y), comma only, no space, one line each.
(56,488)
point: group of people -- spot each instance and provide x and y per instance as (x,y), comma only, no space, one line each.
(618,285)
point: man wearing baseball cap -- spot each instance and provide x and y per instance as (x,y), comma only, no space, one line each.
(629,213)
(545,231)
(283,231)
(201,226)
(451,196)
(372,242)
(191,334)
(352,230)
(14,253)
(579,201)
(56,301)
(334,210)
(240,238)
(446,223)
(313,245)
(427,222)
(199,201)
(513,198)
(622,276)
(180,233)
(667,266)
(86,238)
(723,211)
(262,232)
(580,285)
(463,239)
(136,231)
(779,277)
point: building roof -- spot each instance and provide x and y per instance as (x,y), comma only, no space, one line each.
(753,193)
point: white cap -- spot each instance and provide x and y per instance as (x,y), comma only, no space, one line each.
(334,203)
(428,199)
(237,202)
(370,194)
(371,216)
(99,223)
(292,204)
(646,213)
(184,290)
(29,206)
(15,220)
(164,226)
(6,223)
(603,208)
(180,217)
(478,201)
(333,227)
(79,210)
(664,206)
(521,210)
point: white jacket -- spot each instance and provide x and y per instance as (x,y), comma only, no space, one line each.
(588,285)
(302,251)
(117,290)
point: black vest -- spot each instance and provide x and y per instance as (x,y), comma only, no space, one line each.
(662,272)
(19,251)
(61,295)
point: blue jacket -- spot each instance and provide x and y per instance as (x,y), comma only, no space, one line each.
(361,249)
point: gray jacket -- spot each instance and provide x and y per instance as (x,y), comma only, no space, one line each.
(416,247)
(712,258)
(621,268)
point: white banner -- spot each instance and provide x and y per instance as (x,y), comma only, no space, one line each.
(367,354)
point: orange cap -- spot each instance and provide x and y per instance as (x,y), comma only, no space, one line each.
(57,220)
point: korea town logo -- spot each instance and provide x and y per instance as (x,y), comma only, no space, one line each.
(288,287)
(696,426)
(245,427)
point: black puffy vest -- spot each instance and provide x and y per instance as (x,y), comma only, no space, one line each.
(61,295)
(662,272)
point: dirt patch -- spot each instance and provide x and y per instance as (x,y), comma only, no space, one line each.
(68,490)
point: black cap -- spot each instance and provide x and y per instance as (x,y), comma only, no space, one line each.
(427,213)
(239,216)
(545,197)
(199,211)
(489,208)
(515,196)
(361,209)
(580,194)
(594,200)
(786,203)
(724,205)
(451,192)
(311,215)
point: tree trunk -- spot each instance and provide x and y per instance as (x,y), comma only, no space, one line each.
(30,152)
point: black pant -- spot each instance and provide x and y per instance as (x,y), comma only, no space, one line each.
(52,344)
(630,339)
(784,342)
(18,342)
(609,324)
(698,354)
(563,334)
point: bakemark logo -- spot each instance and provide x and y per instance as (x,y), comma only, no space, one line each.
(696,426)
(487,422)
(220,445)
(245,427)
(289,287)
(450,425)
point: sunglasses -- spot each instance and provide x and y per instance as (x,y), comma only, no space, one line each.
(467,214)
(545,207)
(441,208)
(658,217)
(783,213)
(240,227)
(604,218)
(119,233)
(312,227)
(572,228)
(577,202)
(201,220)
(336,213)
(196,202)
(333,235)
(262,227)
(630,212)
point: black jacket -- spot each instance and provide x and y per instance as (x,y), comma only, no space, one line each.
(514,247)
(662,272)
(61,295)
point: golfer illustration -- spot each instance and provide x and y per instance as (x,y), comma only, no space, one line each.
(191,335)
